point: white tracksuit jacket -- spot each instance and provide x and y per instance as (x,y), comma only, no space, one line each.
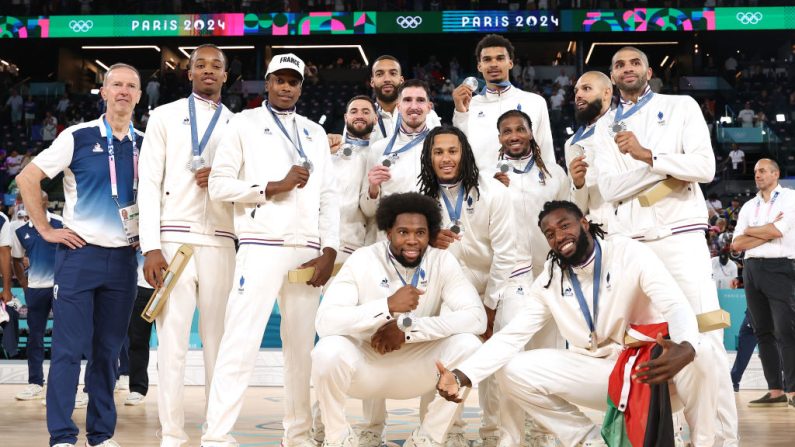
(405,171)
(487,249)
(172,207)
(349,172)
(588,198)
(355,304)
(673,128)
(529,195)
(635,288)
(480,124)
(254,152)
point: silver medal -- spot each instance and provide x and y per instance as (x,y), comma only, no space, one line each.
(503,166)
(618,126)
(455,229)
(471,82)
(306,164)
(347,150)
(386,162)
(196,163)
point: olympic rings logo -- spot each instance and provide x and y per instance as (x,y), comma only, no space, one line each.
(81,26)
(749,18)
(409,21)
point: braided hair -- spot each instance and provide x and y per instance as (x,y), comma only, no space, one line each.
(468,170)
(535,150)
(594,229)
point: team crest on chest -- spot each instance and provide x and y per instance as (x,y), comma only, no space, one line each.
(186,121)
(97,148)
(268,131)
(385,283)
(660,118)
(481,114)
(306,134)
(568,292)
(470,205)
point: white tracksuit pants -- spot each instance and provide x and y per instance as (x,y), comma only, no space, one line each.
(346,367)
(204,284)
(260,277)
(687,258)
(549,384)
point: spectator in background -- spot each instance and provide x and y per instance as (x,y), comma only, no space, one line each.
(714,207)
(563,80)
(730,65)
(556,105)
(30,112)
(528,75)
(355,64)
(516,72)
(747,115)
(15,103)
(13,163)
(311,73)
(63,104)
(153,92)
(656,84)
(737,157)
(732,212)
(49,128)
(724,270)
(455,70)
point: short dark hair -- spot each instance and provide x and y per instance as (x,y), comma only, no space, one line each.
(195,52)
(360,98)
(394,205)
(493,40)
(415,83)
(386,57)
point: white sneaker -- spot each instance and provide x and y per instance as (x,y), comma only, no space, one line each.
(594,443)
(455,440)
(349,441)
(64,444)
(123,384)
(418,439)
(537,436)
(105,443)
(134,399)
(81,401)
(369,438)
(318,435)
(31,392)
(488,441)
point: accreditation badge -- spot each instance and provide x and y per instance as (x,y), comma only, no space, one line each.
(129,219)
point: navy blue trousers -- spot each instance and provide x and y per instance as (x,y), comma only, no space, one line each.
(39,303)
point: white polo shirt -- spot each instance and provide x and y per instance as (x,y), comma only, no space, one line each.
(756,212)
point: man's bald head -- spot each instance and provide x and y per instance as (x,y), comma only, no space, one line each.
(769,163)
(766,174)
(592,96)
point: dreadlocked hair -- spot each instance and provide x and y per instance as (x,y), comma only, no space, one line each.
(468,170)
(594,229)
(535,150)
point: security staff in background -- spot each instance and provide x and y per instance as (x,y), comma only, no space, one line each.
(95,267)
(181,141)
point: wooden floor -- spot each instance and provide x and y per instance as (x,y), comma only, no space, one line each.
(23,423)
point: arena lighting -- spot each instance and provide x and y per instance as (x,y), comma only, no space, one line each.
(665,59)
(623,44)
(780,118)
(569,130)
(101,64)
(95,91)
(121,47)
(4,62)
(726,119)
(169,65)
(358,47)
(184,50)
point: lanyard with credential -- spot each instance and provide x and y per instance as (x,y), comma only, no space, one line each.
(582,134)
(454,213)
(114,186)
(620,115)
(597,279)
(769,207)
(198,147)
(299,147)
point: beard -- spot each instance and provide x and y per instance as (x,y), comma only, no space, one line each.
(723,258)
(589,113)
(361,134)
(405,262)
(638,87)
(383,97)
(578,257)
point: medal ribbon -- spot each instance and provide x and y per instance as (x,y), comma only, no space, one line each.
(597,279)
(453,213)
(198,147)
(114,186)
(388,151)
(620,115)
(582,134)
(298,147)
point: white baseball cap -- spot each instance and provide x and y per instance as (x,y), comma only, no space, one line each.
(287,61)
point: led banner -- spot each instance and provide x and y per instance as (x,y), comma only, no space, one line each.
(410,22)
(310,24)
(166,25)
(499,21)
(638,20)
(755,18)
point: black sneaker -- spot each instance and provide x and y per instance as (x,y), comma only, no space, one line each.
(767,401)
